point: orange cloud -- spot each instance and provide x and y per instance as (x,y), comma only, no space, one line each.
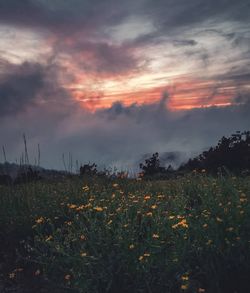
(186,94)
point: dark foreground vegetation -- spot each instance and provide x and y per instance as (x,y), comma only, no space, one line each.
(190,234)
(185,230)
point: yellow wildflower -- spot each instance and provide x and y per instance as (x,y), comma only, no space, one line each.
(40,220)
(243,199)
(209,242)
(185,277)
(182,223)
(184,287)
(85,188)
(49,238)
(81,207)
(72,206)
(98,209)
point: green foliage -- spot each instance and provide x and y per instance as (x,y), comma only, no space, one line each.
(126,235)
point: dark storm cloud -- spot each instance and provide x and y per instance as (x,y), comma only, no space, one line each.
(169,14)
(173,18)
(20,87)
(180,43)
(100,57)
(70,16)
(113,59)
(79,30)
(26,85)
(236,77)
(85,24)
(229,36)
(76,27)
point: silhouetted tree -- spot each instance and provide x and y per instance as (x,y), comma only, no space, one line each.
(232,153)
(88,169)
(152,166)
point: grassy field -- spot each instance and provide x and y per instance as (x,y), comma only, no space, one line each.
(98,235)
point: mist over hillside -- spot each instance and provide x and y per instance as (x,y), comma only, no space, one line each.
(175,159)
(118,136)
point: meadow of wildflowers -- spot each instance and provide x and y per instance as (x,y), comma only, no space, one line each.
(190,234)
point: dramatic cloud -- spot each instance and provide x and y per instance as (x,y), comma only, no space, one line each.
(119,135)
(20,88)
(64,16)
(29,84)
(88,76)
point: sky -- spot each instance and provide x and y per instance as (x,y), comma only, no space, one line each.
(110,81)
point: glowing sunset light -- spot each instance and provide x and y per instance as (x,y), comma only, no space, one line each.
(124,146)
(112,80)
(184,93)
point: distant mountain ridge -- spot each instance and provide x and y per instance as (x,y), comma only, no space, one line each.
(174,158)
(14,170)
